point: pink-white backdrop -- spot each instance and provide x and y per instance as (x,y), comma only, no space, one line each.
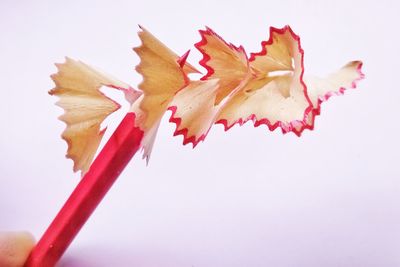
(248,197)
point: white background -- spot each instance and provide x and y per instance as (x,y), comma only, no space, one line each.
(248,197)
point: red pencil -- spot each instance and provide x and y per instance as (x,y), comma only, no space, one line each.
(106,168)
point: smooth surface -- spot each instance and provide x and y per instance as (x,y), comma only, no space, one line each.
(247,197)
(93,187)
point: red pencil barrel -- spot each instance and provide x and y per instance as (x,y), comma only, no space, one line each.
(110,162)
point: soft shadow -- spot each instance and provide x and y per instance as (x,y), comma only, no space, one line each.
(117,257)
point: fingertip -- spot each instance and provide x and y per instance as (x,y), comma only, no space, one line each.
(15,248)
